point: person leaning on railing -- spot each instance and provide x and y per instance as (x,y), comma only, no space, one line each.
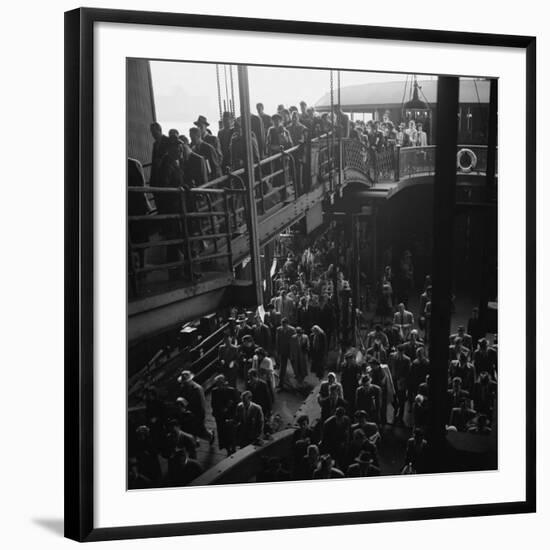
(160,147)
(170,176)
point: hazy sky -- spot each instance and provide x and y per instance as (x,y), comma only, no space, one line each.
(184,90)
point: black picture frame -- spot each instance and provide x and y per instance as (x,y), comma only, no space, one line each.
(79,301)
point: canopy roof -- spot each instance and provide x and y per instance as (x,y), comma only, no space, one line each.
(389,95)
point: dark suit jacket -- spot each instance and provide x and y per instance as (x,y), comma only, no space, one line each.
(194,394)
(260,394)
(284,339)
(334,435)
(249,423)
(194,171)
(224,400)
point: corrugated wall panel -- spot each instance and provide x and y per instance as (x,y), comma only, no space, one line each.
(140,105)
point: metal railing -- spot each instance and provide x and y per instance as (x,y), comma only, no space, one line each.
(167,363)
(192,234)
(396,163)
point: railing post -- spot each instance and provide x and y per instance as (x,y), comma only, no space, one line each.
(228,231)
(261,186)
(306,175)
(131,267)
(186,232)
(397,163)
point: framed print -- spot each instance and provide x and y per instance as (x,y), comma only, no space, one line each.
(300,274)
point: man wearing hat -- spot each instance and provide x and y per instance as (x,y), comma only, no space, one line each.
(202,124)
(224,138)
(363,466)
(193,393)
(249,420)
(224,405)
(205,150)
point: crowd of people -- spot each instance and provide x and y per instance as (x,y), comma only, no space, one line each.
(377,381)
(190,161)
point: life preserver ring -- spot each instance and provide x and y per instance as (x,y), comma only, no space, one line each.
(473,160)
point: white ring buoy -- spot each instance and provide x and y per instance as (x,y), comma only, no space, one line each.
(471,156)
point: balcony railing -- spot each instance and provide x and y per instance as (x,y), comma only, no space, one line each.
(398,163)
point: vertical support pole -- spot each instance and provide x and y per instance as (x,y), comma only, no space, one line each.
(397,163)
(251,211)
(443,232)
(488,213)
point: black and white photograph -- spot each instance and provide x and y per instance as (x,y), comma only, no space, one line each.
(312,274)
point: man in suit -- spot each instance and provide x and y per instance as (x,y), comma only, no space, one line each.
(202,124)
(193,167)
(368,398)
(466,338)
(421,136)
(400,366)
(284,347)
(266,122)
(336,435)
(324,388)
(456,395)
(376,351)
(209,153)
(330,403)
(377,335)
(249,420)
(160,147)
(456,349)
(349,377)
(464,370)
(224,138)
(284,305)
(193,393)
(412,344)
(261,333)
(260,392)
(318,350)
(485,358)
(224,400)
(474,327)
(228,356)
(403,321)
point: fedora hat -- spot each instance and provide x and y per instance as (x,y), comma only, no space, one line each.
(185,376)
(365,457)
(201,120)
